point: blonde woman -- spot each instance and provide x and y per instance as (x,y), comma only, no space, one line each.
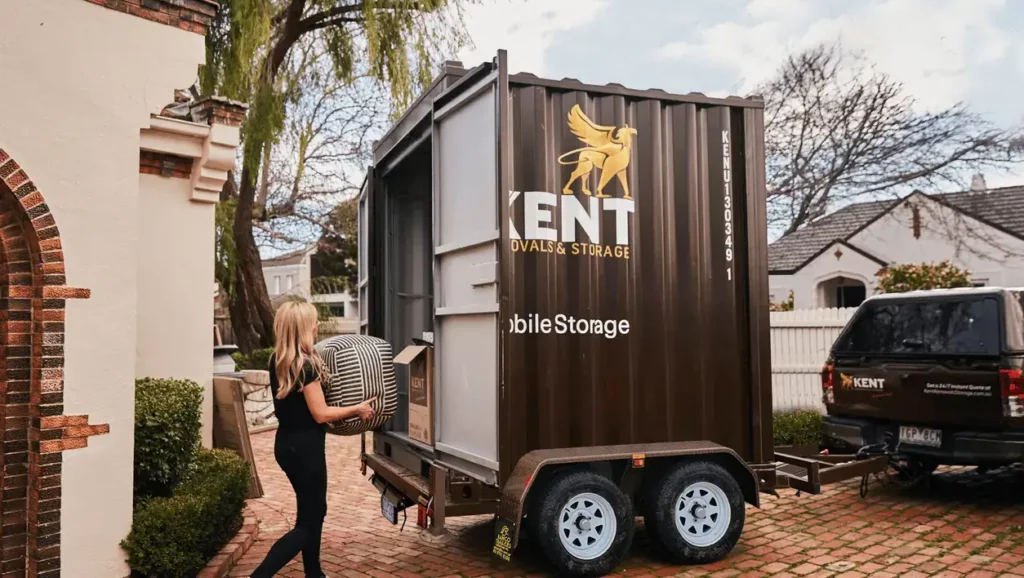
(295,374)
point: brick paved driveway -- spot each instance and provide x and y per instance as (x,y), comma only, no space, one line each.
(965,525)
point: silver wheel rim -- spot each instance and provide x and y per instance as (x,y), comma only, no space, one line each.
(702,514)
(587,526)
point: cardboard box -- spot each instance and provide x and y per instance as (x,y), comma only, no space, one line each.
(420,360)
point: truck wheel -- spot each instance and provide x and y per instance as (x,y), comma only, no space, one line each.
(696,513)
(584,524)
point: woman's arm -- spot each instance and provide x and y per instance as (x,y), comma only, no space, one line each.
(324,413)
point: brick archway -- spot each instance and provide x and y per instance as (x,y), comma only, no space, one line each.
(35,430)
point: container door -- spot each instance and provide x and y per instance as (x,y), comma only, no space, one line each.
(362,237)
(468,168)
(369,301)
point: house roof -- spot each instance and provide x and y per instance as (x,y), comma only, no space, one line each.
(1000,208)
(292,258)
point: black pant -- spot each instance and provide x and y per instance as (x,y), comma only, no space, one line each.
(302,457)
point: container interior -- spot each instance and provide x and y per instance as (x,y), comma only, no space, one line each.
(409,277)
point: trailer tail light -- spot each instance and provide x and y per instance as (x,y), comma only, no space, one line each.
(827,393)
(1012,384)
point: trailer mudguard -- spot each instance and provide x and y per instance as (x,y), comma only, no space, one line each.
(516,488)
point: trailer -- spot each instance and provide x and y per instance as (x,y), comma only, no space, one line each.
(575,280)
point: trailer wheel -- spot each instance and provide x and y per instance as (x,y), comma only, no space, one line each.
(584,524)
(696,513)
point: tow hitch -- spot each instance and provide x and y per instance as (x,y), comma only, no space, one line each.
(908,471)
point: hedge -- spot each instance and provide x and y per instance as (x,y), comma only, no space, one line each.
(258,359)
(167,433)
(174,537)
(795,428)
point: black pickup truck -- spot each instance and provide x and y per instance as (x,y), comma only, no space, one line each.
(933,375)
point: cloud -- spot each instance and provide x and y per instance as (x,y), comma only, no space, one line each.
(930,46)
(524,28)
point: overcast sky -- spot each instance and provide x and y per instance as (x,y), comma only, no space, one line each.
(942,50)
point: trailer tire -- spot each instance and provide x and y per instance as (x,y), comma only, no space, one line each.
(584,524)
(695,513)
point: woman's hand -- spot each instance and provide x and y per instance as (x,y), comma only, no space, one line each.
(323,413)
(364,411)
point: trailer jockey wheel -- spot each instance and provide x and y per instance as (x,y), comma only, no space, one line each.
(695,513)
(584,524)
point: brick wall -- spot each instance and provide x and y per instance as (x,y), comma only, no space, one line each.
(35,430)
(219,110)
(165,165)
(192,15)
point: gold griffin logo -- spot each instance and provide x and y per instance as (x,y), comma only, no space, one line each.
(608,148)
(594,224)
(846,382)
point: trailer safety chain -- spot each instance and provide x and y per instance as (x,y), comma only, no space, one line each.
(866,453)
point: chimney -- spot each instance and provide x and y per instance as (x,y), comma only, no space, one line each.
(978,183)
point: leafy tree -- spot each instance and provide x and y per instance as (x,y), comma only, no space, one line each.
(262,52)
(910,277)
(786,305)
(334,267)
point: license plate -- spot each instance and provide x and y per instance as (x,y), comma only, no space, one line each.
(920,436)
(389,510)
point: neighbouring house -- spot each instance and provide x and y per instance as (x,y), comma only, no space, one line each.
(294,275)
(833,260)
(109,177)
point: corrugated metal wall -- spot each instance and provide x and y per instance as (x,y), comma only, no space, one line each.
(681,279)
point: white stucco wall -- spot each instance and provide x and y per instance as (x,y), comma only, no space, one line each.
(300,279)
(987,253)
(80,81)
(991,256)
(175,313)
(805,283)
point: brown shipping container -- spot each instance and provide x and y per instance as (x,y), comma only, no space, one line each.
(668,277)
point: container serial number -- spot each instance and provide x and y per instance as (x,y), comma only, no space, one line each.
(727,179)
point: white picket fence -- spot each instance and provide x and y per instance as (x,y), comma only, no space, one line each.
(800,343)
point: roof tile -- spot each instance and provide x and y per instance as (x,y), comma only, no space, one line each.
(1003,208)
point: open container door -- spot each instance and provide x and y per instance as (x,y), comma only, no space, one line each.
(469,169)
(362,243)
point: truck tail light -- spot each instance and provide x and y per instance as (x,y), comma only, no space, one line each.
(1012,384)
(827,393)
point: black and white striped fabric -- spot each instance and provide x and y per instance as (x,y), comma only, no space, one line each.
(360,367)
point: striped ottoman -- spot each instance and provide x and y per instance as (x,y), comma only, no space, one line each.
(360,367)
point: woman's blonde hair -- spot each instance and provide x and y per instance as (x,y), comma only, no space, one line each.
(294,329)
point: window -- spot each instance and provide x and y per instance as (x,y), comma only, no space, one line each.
(277,284)
(930,328)
(288,282)
(850,295)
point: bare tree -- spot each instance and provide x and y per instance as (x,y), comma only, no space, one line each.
(838,130)
(319,160)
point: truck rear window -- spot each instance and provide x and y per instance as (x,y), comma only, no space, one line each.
(966,327)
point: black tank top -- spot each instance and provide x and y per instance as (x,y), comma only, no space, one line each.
(293,415)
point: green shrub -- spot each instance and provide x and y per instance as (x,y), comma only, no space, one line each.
(914,277)
(258,359)
(175,537)
(797,428)
(167,432)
